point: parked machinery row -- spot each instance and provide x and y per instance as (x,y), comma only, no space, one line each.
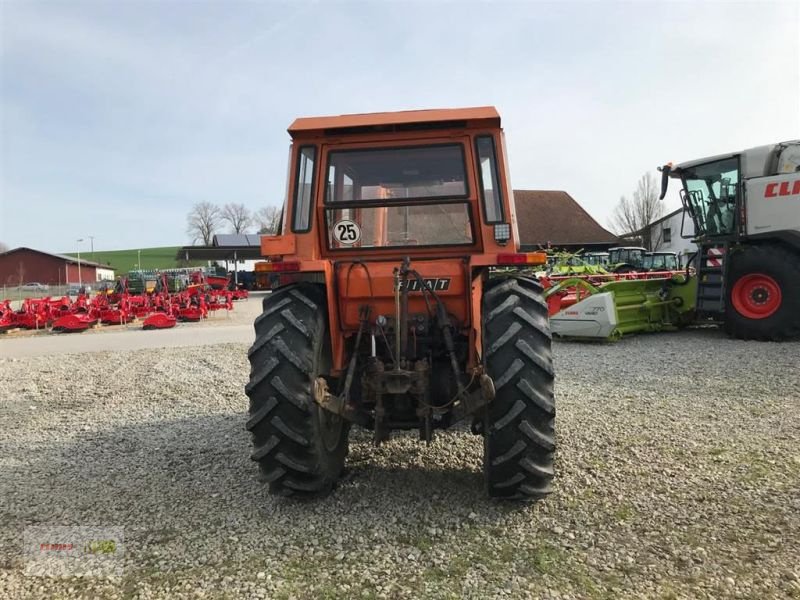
(154,304)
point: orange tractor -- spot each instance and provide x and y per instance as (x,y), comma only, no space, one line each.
(393,314)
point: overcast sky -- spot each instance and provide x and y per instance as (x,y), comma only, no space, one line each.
(118,116)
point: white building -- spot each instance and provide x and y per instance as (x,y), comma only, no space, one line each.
(104,274)
(666,235)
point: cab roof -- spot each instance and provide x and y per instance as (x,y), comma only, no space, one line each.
(441,118)
(677,170)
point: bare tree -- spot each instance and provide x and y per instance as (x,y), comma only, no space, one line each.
(269,220)
(202,222)
(632,216)
(237,216)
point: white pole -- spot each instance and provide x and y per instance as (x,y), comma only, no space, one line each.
(80,280)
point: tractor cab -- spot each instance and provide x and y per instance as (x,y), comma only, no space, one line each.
(660,261)
(624,259)
(598,259)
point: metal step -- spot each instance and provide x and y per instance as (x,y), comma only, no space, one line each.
(711,283)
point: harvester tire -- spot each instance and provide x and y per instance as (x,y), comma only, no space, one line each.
(300,448)
(519,428)
(763,294)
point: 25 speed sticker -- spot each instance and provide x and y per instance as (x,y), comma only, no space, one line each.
(346,232)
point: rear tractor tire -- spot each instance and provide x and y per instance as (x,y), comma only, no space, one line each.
(519,429)
(763,294)
(300,448)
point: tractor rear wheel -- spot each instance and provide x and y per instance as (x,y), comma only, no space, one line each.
(300,448)
(519,429)
(763,297)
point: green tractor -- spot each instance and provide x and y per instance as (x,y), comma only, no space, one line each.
(661,261)
(596,259)
(626,259)
(567,263)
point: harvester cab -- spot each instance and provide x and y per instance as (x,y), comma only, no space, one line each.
(745,208)
(393,319)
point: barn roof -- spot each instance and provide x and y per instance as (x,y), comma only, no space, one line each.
(65,257)
(552,216)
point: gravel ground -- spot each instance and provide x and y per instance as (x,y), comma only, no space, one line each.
(678,477)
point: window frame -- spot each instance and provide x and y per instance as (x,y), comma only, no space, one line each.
(313,186)
(689,206)
(482,185)
(349,205)
(398,201)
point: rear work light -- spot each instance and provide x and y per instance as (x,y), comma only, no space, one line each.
(279,266)
(502,233)
(522,258)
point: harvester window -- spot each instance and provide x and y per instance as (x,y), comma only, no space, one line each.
(410,173)
(490,188)
(711,191)
(304,188)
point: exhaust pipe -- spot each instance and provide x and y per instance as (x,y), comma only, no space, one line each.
(665,172)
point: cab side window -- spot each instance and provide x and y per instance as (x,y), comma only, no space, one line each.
(304,189)
(491,195)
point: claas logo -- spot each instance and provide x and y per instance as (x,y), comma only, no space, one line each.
(783,188)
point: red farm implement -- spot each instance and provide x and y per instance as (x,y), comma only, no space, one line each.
(33,314)
(159,320)
(158,300)
(6,317)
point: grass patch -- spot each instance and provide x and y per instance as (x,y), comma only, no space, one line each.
(420,541)
(123,261)
(756,471)
(545,559)
(625,512)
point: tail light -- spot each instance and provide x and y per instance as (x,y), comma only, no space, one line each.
(522,258)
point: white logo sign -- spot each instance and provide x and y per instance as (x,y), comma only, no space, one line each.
(347,232)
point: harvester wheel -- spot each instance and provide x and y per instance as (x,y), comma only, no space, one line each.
(519,429)
(763,294)
(300,448)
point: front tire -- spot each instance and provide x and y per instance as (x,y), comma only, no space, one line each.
(763,294)
(300,448)
(519,430)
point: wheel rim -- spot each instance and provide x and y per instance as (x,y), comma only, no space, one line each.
(756,296)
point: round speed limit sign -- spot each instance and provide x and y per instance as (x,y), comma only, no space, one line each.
(346,232)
